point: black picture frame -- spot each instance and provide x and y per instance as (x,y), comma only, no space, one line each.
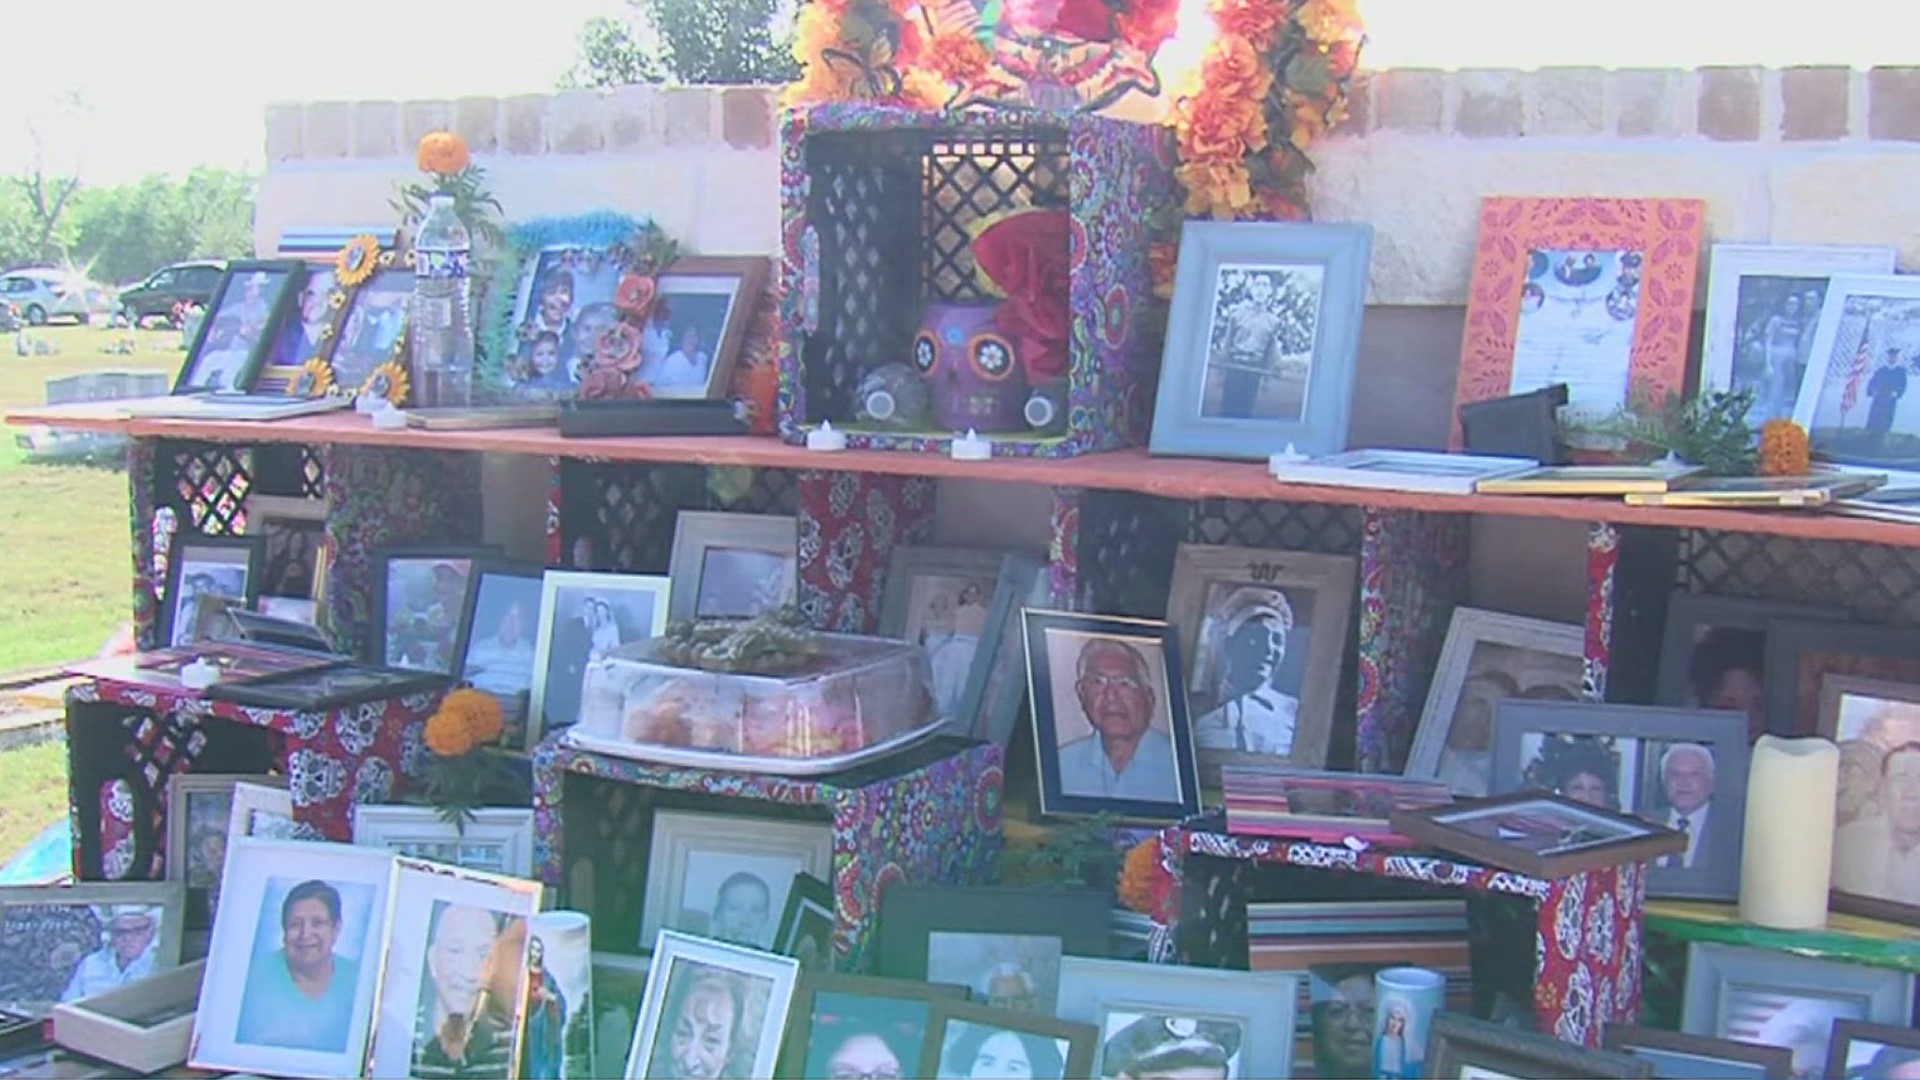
(1037,625)
(911,913)
(1793,710)
(326,687)
(178,551)
(1723,733)
(1689,613)
(516,712)
(378,651)
(797,1043)
(257,350)
(1847,1032)
(1458,1042)
(1772,1062)
(808,895)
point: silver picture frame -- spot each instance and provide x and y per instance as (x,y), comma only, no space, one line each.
(697,534)
(1823,990)
(988,702)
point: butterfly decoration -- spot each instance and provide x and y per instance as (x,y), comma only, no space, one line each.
(869,49)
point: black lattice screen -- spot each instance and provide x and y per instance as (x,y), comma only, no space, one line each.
(206,484)
(1328,530)
(627,512)
(965,181)
(1127,543)
(1874,583)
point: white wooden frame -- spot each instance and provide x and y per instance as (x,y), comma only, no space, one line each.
(695,531)
(1262,1003)
(397,828)
(677,834)
(1806,407)
(1399,470)
(265,794)
(1470,627)
(783,972)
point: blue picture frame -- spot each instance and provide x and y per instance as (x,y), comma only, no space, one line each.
(1253,302)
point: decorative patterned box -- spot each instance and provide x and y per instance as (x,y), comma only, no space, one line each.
(878,205)
(928,814)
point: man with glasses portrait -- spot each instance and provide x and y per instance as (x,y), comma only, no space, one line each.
(1125,757)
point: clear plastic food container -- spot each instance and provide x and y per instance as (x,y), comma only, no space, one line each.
(855,693)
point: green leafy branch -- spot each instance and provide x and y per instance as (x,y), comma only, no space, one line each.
(1709,431)
(477,207)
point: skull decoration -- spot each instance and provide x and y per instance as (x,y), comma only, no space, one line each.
(971,369)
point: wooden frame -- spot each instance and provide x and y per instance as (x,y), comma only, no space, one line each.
(181,789)
(1627,729)
(1517,237)
(798,1049)
(679,834)
(283,370)
(1897,1037)
(1469,629)
(501,679)
(541,696)
(1836,359)
(1261,1004)
(988,700)
(326,687)
(749,284)
(1760,492)
(1210,252)
(1328,580)
(1833,689)
(260,795)
(810,904)
(780,972)
(143,1027)
(190,378)
(414,830)
(911,913)
(1715,972)
(696,533)
(1588,480)
(178,554)
(1081,1039)
(1878,652)
(1727,1058)
(1259,801)
(1582,837)
(1805,268)
(1693,616)
(467,560)
(1470,1049)
(1140,638)
(168,896)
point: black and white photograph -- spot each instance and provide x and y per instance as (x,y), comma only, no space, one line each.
(711,1010)
(375,322)
(293,552)
(424,599)
(1260,341)
(583,618)
(199,816)
(727,877)
(565,303)
(619,984)
(1677,786)
(208,567)
(1342,1018)
(741,583)
(1853,401)
(64,943)
(1020,972)
(499,652)
(947,616)
(233,341)
(1876,846)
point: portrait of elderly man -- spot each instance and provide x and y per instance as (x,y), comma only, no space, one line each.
(1155,1047)
(1125,757)
(1254,714)
(126,955)
(458,1031)
(1686,792)
(1879,855)
(301,995)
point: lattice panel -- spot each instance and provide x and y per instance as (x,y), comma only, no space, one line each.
(1127,543)
(313,474)
(207,484)
(1874,583)
(753,491)
(605,855)
(862,209)
(965,181)
(1328,530)
(627,514)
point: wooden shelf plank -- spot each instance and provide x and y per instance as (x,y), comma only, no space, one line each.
(1119,470)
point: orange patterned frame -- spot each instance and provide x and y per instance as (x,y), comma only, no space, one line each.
(1668,232)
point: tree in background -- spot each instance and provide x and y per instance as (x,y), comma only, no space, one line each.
(688,41)
(123,233)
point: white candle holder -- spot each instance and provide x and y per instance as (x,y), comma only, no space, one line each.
(826,440)
(972,447)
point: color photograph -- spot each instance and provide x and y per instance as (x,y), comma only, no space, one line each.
(1019,972)
(978,1051)
(1597,770)
(741,583)
(946,616)
(710,1023)
(565,303)
(54,952)
(500,645)
(865,1035)
(235,329)
(374,326)
(1853,400)
(1578,313)
(1876,846)
(303,334)
(1110,719)
(206,572)
(426,596)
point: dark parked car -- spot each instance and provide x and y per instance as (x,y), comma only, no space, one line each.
(190,282)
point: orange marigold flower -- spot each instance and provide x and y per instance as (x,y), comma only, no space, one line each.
(1232,67)
(1218,128)
(1258,21)
(442,153)
(1163,258)
(1220,189)
(1329,21)
(1784,450)
(1144,885)
(448,735)
(957,57)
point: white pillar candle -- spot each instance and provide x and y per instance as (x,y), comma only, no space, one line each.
(557,1041)
(1787,863)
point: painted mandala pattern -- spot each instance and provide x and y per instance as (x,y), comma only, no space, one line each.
(357,726)
(843,559)
(372,782)
(1569,917)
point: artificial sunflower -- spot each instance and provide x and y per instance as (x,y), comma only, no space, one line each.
(357,261)
(388,381)
(315,379)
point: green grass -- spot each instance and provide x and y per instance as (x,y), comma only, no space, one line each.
(35,780)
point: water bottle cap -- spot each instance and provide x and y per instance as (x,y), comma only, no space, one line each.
(440,202)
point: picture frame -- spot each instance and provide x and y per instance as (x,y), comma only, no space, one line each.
(1856,363)
(1538,834)
(1800,653)
(1775,998)
(898,1034)
(371,328)
(1221,598)
(422,596)
(985,927)
(619,986)
(334,895)
(807,925)
(1139,686)
(347,330)
(1663,765)
(502,643)
(262,807)
(1398,470)
(757,569)
(1870,1051)
(1760,492)
(206,565)
(1713,652)
(690,288)
(1632,260)
(1763,307)
(1248,1017)
(143,1027)
(1588,480)
(1675,1055)
(959,1035)
(686,968)
(977,590)
(70,942)
(1473,1049)
(1489,656)
(294,564)
(584,615)
(457,939)
(496,840)
(1321,806)
(1874,721)
(737,857)
(237,334)
(326,687)
(199,817)
(1252,303)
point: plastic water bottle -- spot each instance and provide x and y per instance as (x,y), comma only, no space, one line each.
(441,326)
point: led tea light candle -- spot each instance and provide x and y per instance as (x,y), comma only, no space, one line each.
(199,675)
(388,418)
(1788,858)
(825,439)
(971,447)
(1289,456)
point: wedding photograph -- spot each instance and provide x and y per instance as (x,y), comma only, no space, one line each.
(584,617)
